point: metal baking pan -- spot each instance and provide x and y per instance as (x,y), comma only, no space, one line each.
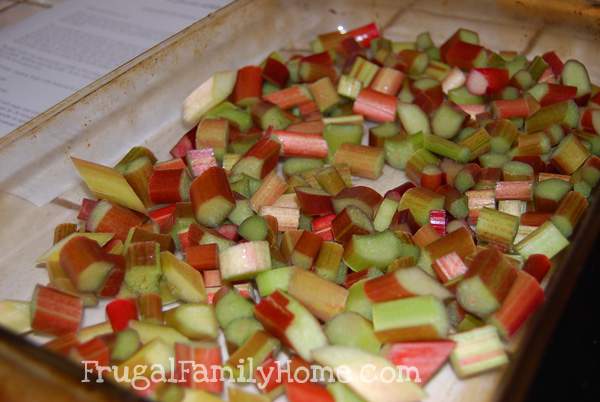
(140,103)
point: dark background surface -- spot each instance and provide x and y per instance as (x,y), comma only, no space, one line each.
(570,368)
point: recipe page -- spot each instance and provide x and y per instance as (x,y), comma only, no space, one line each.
(56,52)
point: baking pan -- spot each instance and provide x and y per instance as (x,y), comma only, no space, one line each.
(140,103)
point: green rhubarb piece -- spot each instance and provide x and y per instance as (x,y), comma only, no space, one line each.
(434,55)
(447,148)
(405,94)
(497,227)
(294,166)
(126,343)
(575,74)
(477,351)
(465,133)
(550,190)
(410,319)
(491,160)
(516,64)
(413,119)
(253,228)
(385,130)
(143,271)
(240,330)
(240,212)
(565,112)
(183,281)
(446,121)
(232,306)
(15,316)
(537,67)
(516,168)
(305,333)
(462,96)
(583,188)
(351,329)
(337,134)
(268,88)
(398,151)
(274,117)
(423,41)
(372,250)
(240,118)
(385,214)
(241,145)
(349,86)
(364,71)
(342,393)
(546,239)
(523,79)
(244,260)
(358,302)
(510,93)
(196,321)
(469,322)
(421,201)
(148,332)
(272,280)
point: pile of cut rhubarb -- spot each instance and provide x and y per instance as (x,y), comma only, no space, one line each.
(291,261)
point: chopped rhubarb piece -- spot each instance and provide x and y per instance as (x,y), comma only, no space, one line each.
(489,80)
(250,355)
(546,239)
(322,226)
(185,143)
(120,312)
(403,283)
(364,161)
(306,249)
(109,184)
(271,188)
(85,263)
(347,364)
(63,230)
(110,218)
(294,144)
(449,268)
(54,312)
(209,94)
(476,351)
(537,265)
(375,106)
(15,316)
(203,256)
(426,357)
(286,318)
(244,260)
(417,318)
(421,202)
(497,228)
(197,365)
(143,267)
(260,160)
(211,197)
(523,299)
(321,297)
(364,198)
(248,85)
(486,283)
(275,72)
